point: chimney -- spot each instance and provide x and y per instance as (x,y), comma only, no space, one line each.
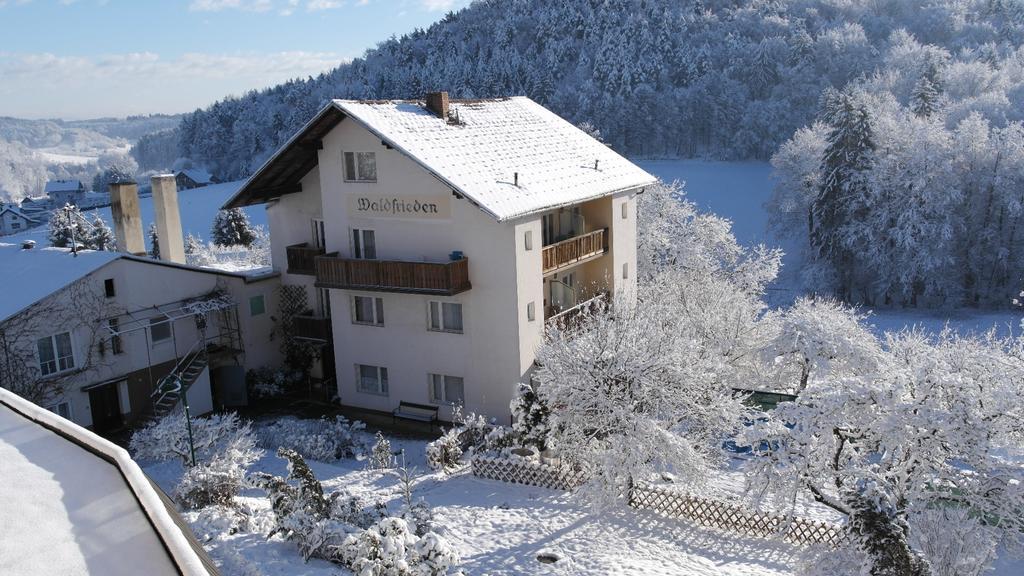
(437,102)
(124,206)
(168,218)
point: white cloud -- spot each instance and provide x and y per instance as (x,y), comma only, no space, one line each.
(39,84)
(219,5)
(437,5)
(318,5)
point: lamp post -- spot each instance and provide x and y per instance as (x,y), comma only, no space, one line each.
(71,229)
(188,419)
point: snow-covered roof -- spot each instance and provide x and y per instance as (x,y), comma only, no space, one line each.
(479,155)
(198,175)
(76,504)
(63,186)
(34,274)
(16,212)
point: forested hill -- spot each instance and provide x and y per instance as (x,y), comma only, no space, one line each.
(716,78)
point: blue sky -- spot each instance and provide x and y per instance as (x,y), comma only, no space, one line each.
(90,58)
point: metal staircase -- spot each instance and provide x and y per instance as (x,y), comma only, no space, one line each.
(171,387)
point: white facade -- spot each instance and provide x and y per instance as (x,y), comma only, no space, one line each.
(127,295)
(416,216)
(14,221)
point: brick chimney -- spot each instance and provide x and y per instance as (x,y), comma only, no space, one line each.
(437,102)
(124,207)
(168,218)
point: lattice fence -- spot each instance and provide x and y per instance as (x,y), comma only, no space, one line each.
(703,511)
(717,514)
(526,472)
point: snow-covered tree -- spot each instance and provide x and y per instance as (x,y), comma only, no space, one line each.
(216,480)
(232,228)
(168,437)
(530,415)
(927,430)
(114,169)
(154,241)
(101,237)
(193,244)
(381,457)
(67,226)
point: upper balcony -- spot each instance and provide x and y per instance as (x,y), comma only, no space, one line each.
(310,326)
(301,258)
(575,250)
(439,278)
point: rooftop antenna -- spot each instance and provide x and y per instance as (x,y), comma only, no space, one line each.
(595,164)
(515,178)
(71,228)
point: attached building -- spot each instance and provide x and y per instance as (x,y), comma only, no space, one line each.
(435,239)
(14,220)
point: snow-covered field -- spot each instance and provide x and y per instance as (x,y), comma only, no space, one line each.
(739,190)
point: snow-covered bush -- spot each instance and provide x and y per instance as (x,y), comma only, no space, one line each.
(953,540)
(168,437)
(445,452)
(381,457)
(267,382)
(218,480)
(323,439)
(389,548)
(231,257)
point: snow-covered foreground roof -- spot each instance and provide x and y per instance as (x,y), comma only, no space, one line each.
(31,275)
(74,503)
(480,154)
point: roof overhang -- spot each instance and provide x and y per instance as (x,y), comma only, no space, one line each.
(283,172)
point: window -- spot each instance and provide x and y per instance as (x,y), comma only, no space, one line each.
(446,317)
(446,389)
(323,302)
(115,338)
(159,328)
(257,305)
(62,409)
(364,244)
(15,225)
(625,270)
(108,288)
(625,210)
(372,379)
(361,166)
(319,236)
(367,310)
(531,311)
(529,240)
(55,353)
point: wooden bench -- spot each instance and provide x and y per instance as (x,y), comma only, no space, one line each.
(418,412)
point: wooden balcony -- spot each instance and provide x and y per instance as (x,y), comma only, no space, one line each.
(441,278)
(575,250)
(301,258)
(570,318)
(311,327)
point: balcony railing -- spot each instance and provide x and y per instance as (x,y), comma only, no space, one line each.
(575,250)
(309,327)
(301,258)
(441,278)
(570,318)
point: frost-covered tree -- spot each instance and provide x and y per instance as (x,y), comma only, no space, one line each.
(216,481)
(530,418)
(232,228)
(115,168)
(101,237)
(193,244)
(840,208)
(68,226)
(154,241)
(926,431)
(168,437)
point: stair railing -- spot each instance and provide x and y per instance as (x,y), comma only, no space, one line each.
(172,382)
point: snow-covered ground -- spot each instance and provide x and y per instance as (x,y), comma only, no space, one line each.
(64,158)
(739,190)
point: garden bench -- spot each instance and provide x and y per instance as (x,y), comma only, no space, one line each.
(418,412)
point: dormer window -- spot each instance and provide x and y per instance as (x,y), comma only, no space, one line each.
(360,166)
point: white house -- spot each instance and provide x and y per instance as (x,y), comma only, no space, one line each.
(14,220)
(75,504)
(63,192)
(92,336)
(435,239)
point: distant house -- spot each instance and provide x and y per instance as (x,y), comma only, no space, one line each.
(75,503)
(63,192)
(193,178)
(13,220)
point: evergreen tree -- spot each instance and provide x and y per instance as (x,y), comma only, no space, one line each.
(154,239)
(925,98)
(193,244)
(101,237)
(67,223)
(843,201)
(232,228)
